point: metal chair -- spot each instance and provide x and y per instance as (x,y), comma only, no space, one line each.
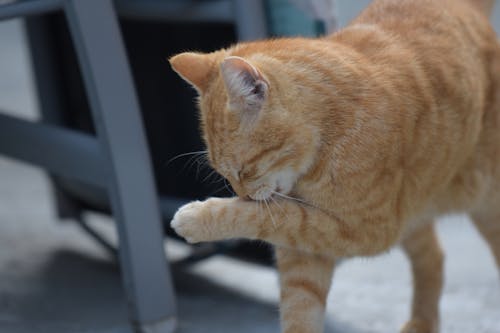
(116,159)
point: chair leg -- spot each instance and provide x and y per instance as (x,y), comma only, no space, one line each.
(108,82)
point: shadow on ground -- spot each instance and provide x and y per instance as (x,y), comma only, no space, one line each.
(73,292)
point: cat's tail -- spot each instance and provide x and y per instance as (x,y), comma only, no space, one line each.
(485,6)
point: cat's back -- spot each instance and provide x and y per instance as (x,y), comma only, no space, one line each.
(450,40)
(427,18)
(439,62)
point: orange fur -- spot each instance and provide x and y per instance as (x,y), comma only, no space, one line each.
(353,143)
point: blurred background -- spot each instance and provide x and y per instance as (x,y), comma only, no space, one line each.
(58,265)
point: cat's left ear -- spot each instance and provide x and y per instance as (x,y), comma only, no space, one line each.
(247,88)
(194,68)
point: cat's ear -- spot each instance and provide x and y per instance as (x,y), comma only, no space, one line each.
(247,89)
(193,67)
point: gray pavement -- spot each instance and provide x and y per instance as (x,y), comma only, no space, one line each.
(54,279)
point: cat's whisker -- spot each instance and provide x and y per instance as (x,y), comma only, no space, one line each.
(283,211)
(218,190)
(303,202)
(200,152)
(228,187)
(201,162)
(270,213)
(192,160)
(276,202)
(209,175)
(217,179)
(196,157)
(292,198)
(262,210)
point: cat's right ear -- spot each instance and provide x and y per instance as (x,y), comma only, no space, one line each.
(247,88)
(194,68)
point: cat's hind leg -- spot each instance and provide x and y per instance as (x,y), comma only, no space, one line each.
(488,225)
(304,281)
(426,258)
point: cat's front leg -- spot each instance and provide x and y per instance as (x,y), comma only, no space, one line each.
(304,282)
(215,219)
(285,223)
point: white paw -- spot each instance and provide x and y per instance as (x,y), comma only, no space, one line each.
(187,222)
(420,326)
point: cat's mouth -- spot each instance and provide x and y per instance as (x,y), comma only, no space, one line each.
(264,193)
(279,186)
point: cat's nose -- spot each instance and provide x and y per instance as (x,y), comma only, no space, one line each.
(239,189)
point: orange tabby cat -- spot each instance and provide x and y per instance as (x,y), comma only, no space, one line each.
(353,143)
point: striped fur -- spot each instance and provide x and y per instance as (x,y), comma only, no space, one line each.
(353,143)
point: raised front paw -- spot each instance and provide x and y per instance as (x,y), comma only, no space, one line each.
(190,222)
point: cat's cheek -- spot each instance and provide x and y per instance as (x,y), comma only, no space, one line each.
(285,181)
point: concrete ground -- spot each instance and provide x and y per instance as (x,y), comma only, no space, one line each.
(53,279)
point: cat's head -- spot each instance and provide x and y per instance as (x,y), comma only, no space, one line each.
(255,137)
